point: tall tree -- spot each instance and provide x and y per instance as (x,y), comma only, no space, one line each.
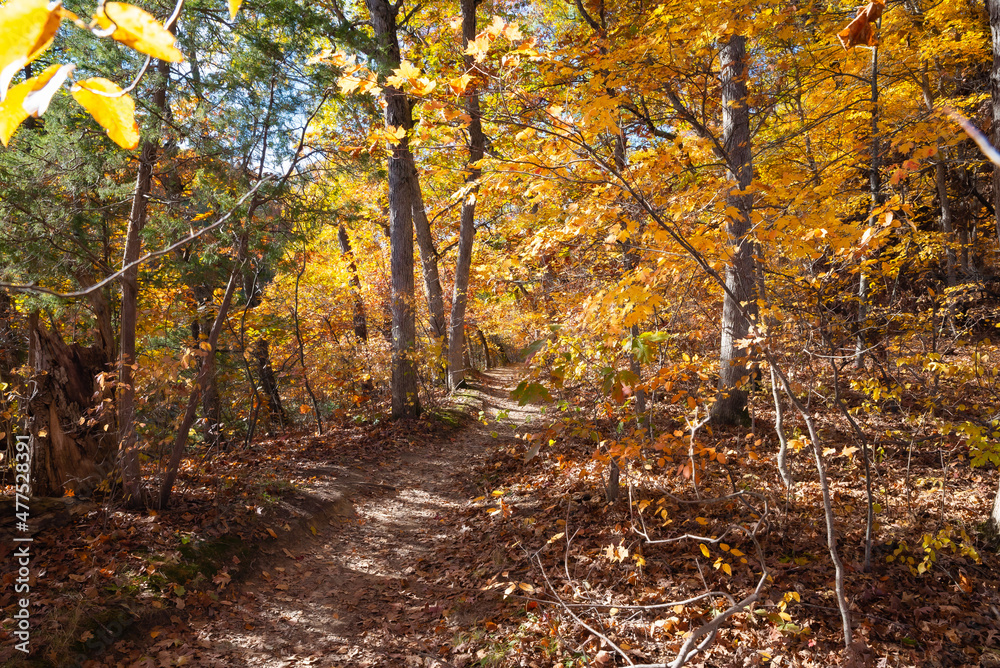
(405,401)
(739,300)
(467,231)
(993,7)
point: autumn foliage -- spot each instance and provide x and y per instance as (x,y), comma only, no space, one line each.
(650,210)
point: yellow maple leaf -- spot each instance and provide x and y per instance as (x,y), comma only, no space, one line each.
(348,84)
(407,70)
(496,27)
(393,134)
(423,86)
(112,109)
(138,29)
(459,84)
(512,32)
(478,48)
(26,30)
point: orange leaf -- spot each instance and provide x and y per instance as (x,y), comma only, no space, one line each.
(861,29)
(111,108)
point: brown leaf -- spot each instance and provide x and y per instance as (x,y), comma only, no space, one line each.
(861,30)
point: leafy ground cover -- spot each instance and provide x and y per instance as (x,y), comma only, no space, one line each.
(449,542)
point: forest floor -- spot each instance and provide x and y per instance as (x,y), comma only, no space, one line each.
(440,543)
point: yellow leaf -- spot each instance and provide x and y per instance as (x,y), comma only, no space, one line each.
(727,568)
(234,6)
(704,550)
(26,30)
(526,587)
(702,521)
(557,536)
(394,134)
(12,109)
(406,70)
(736,553)
(348,84)
(423,86)
(496,27)
(115,114)
(478,48)
(138,29)
(512,33)
(459,84)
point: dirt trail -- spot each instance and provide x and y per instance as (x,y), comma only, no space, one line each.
(378,588)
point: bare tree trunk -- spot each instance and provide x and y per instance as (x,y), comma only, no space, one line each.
(130,294)
(360,320)
(731,405)
(486,349)
(211,405)
(302,349)
(993,7)
(181,441)
(428,257)
(268,383)
(69,420)
(875,184)
(405,400)
(467,231)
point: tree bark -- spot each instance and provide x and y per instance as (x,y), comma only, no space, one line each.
(405,400)
(268,383)
(130,294)
(467,230)
(69,421)
(875,185)
(993,7)
(428,254)
(360,320)
(731,404)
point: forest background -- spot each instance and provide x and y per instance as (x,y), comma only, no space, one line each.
(693,220)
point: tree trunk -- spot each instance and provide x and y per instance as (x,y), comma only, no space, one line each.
(180,443)
(69,421)
(405,401)
(130,294)
(875,185)
(486,349)
(467,230)
(360,320)
(211,404)
(731,405)
(268,384)
(993,6)
(428,255)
